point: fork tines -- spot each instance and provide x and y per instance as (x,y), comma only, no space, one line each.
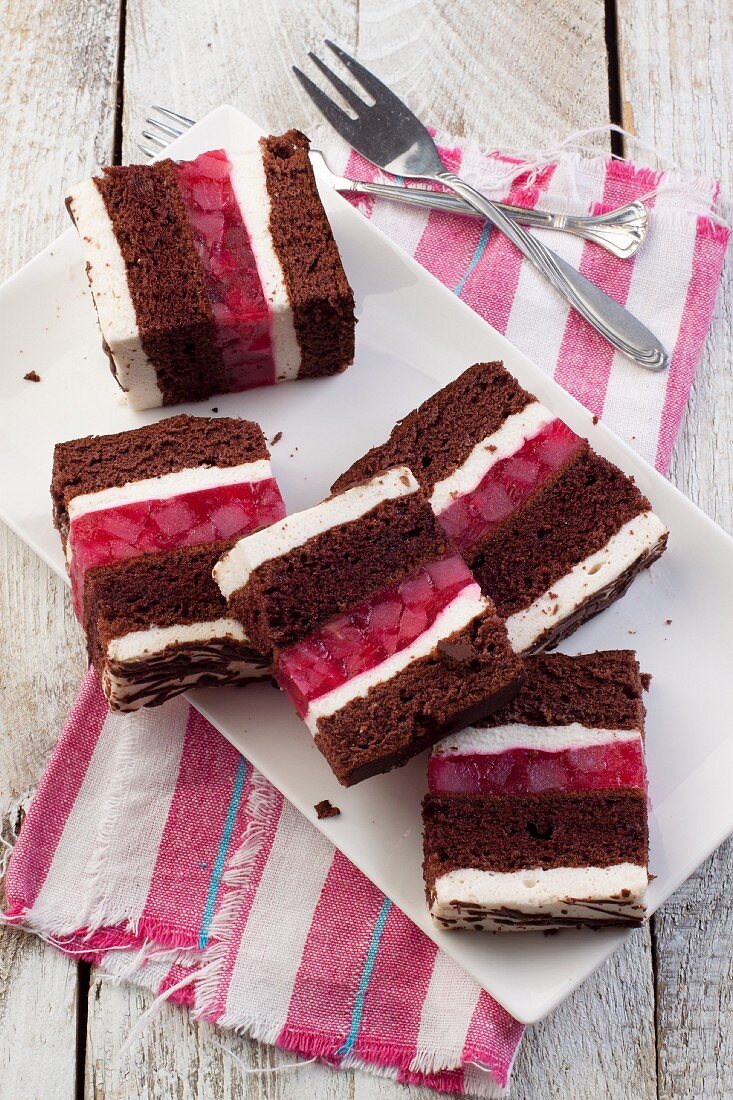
(163,133)
(338,118)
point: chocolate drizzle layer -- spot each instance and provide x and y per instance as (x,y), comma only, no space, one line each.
(153,679)
(593,914)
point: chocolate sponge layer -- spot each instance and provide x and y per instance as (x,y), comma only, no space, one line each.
(320,296)
(165,279)
(287,597)
(599,690)
(182,442)
(518,832)
(168,589)
(439,436)
(564,522)
(467,676)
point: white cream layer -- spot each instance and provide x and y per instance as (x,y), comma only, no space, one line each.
(635,538)
(116,313)
(191,480)
(468,604)
(144,643)
(250,189)
(584,893)
(235,568)
(506,441)
(491,742)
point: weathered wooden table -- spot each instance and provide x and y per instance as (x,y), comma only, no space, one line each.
(75,80)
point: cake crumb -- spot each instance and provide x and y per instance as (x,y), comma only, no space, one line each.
(32,376)
(632,632)
(215,409)
(646,680)
(325,809)
(668,622)
(595,419)
(276,438)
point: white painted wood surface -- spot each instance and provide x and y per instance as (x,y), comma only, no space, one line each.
(57,99)
(656,1021)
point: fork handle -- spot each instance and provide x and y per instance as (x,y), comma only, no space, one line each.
(624,331)
(620,231)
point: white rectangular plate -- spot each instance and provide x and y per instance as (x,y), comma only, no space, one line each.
(413,337)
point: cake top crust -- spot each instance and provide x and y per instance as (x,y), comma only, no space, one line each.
(441,433)
(601,690)
(98,462)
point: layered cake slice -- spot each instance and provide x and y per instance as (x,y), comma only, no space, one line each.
(552,531)
(379,633)
(214,275)
(143,517)
(537,817)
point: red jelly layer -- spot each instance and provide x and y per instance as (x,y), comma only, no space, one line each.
(149,526)
(613,765)
(508,484)
(241,312)
(371,632)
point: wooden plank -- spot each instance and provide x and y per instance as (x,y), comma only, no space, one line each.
(675,60)
(515,75)
(57,79)
(600,1043)
(176,1056)
(38,1003)
(225,52)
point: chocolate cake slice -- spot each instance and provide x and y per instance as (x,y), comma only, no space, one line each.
(214,275)
(143,517)
(380,635)
(552,531)
(537,816)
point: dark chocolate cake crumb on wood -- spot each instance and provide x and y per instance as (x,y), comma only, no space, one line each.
(443,431)
(599,690)
(99,462)
(432,697)
(165,278)
(320,296)
(289,596)
(509,833)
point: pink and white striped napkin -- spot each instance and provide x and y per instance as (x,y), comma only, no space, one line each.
(157,852)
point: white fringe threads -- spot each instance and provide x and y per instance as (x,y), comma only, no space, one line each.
(256,1071)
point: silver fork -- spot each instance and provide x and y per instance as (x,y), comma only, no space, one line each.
(619,231)
(388,134)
